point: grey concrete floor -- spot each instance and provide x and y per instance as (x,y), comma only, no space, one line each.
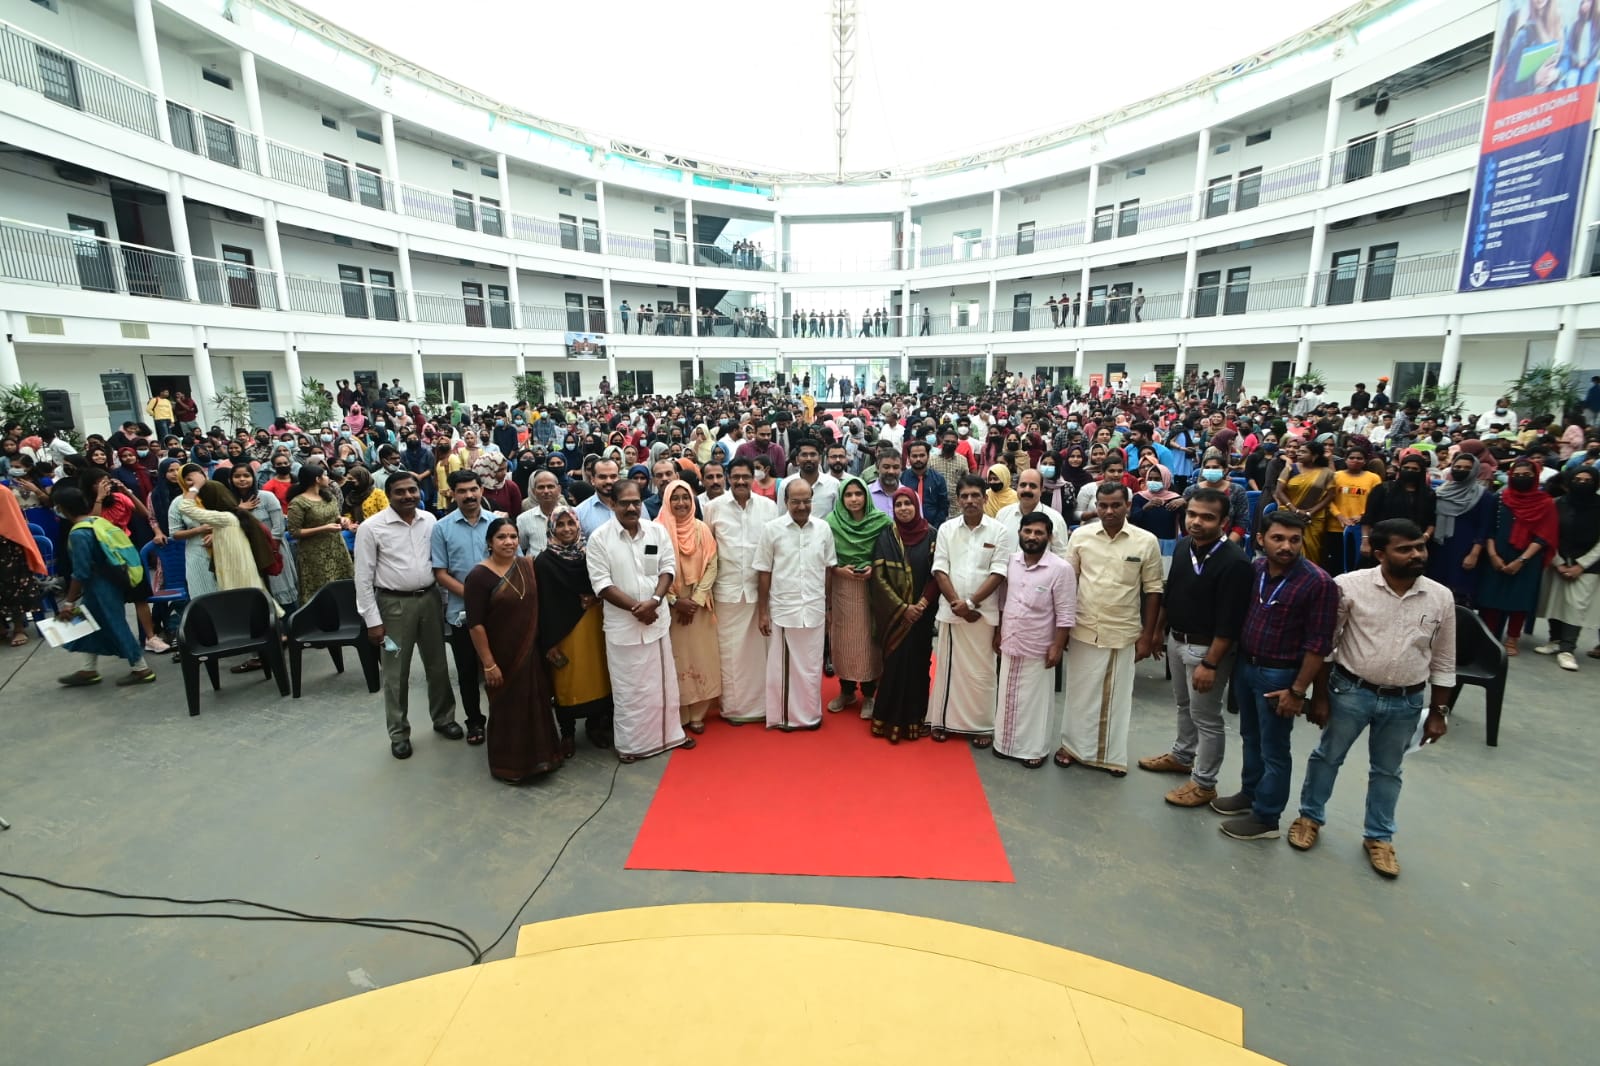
(1482,952)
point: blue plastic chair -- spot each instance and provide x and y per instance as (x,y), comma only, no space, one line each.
(47,602)
(1252,498)
(165,565)
(37,530)
(1352,547)
(349,541)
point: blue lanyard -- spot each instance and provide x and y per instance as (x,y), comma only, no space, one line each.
(1261,591)
(1199,561)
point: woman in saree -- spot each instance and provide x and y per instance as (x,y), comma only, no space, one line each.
(571,637)
(1306,486)
(857,660)
(903,595)
(694,627)
(502,598)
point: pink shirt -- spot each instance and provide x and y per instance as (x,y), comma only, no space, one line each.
(1039,600)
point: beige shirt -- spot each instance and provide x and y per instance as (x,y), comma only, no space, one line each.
(1114,575)
(967,555)
(738,532)
(392,555)
(1389,639)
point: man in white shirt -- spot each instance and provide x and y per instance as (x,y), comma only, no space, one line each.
(736,521)
(792,561)
(399,601)
(824,486)
(533,525)
(969,564)
(1110,473)
(631,564)
(714,476)
(1030,488)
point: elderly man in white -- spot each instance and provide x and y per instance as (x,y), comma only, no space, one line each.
(792,562)
(631,564)
(736,520)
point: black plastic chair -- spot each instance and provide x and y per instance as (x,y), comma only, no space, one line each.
(330,620)
(220,625)
(1481,661)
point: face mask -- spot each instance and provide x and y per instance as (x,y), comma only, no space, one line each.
(1583,488)
(143,452)
(337,471)
(962,432)
(1499,410)
(281,471)
(1460,475)
(761,475)
(1152,487)
(327,438)
(1003,421)
(1047,472)
(1523,482)
(1212,475)
(994,486)
(931,440)
(1411,477)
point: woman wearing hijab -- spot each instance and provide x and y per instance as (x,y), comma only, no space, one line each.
(131,472)
(1464,508)
(1000,493)
(694,627)
(903,597)
(500,493)
(502,599)
(1063,481)
(700,444)
(1526,532)
(1155,506)
(857,657)
(21,564)
(362,497)
(571,636)
(1572,587)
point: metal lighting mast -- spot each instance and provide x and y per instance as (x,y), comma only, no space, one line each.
(843,20)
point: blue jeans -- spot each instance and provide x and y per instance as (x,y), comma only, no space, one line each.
(1268,758)
(1391,721)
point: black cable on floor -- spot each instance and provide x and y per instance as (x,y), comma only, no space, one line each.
(461,939)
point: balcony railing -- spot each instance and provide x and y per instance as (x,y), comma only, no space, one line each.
(1417,275)
(1407,142)
(88,262)
(230,284)
(462,311)
(76,83)
(213,138)
(351,299)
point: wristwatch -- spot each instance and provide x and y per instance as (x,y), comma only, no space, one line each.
(1208,665)
(1297,695)
(659,598)
(1442,710)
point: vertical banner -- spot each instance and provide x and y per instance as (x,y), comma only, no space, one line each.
(1528,190)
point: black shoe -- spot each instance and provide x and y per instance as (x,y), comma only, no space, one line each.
(827,667)
(1238,803)
(475,734)
(400,749)
(450,730)
(1247,828)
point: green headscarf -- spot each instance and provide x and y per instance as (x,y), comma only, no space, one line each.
(855,539)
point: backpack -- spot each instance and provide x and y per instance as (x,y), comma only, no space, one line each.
(118,551)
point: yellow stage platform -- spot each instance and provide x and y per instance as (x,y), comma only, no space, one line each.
(742,984)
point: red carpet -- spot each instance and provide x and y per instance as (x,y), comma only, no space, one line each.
(837,802)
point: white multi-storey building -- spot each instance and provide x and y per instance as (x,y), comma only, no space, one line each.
(205,193)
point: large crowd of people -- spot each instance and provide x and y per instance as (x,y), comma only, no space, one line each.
(643,564)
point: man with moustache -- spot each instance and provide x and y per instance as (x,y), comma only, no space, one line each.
(824,486)
(1041,601)
(597,510)
(1030,488)
(792,561)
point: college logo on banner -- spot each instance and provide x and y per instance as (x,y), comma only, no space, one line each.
(1535,145)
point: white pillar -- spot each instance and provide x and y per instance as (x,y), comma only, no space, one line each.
(205,385)
(514,293)
(1201,167)
(144,22)
(611,368)
(905,368)
(10,368)
(605,295)
(992,319)
(291,367)
(505,191)
(600,207)
(1088,211)
(1302,355)
(391,159)
(179,223)
(694,310)
(1190,266)
(1077,365)
(404,250)
(417,373)
(1319,241)
(1566,339)
(1330,139)
(994,226)
(777,243)
(1083,302)
(905,243)
(1450,361)
(694,357)
(688,232)
(269,224)
(252,103)
(988,364)
(1180,361)
(522,362)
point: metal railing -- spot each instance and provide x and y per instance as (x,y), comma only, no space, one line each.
(475,312)
(1290,180)
(350,299)
(535,230)
(870,262)
(1404,143)
(76,83)
(213,138)
(84,261)
(229,284)
(1415,275)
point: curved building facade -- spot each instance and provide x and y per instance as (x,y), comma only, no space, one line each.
(201,194)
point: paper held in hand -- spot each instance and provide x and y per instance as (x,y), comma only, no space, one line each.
(57,633)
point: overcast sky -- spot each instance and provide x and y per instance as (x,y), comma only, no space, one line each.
(751,82)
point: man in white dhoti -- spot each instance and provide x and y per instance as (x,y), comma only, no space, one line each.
(1041,603)
(969,564)
(736,520)
(631,564)
(792,561)
(1119,616)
